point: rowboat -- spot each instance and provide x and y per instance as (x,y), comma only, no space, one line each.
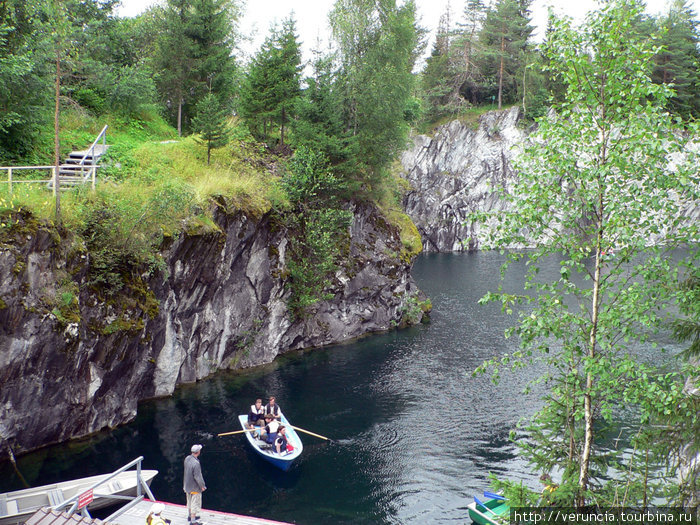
(17,506)
(489,510)
(285,459)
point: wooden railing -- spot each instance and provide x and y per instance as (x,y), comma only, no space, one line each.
(52,182)
(12,170)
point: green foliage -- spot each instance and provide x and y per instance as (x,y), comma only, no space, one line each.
(319,125)
(378,43)
(504,40)
(123,234)
(687,327)
(676,64)
(309,181)
(24,85)
(318,228)
(210,122)
(133,92)
(194,54)
(597,176)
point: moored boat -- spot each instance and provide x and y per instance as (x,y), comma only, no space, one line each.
(489,511)
(284,460)
(17,506)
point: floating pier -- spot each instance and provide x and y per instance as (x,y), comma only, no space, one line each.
(136,515)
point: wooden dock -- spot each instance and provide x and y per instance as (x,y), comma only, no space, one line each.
(177,514)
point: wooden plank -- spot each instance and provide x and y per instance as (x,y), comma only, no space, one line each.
(178,514)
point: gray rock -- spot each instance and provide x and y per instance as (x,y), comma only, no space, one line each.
(455,173)
(222,305)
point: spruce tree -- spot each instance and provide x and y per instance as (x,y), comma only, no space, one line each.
(271,88)
(210,123)
(439,79)
(319,124)
(677,63)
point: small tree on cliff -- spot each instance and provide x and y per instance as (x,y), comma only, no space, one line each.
(210,123)
(598,176)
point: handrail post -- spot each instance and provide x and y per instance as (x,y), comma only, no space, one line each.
(138,479)
(54,173)
(94,169)
(9,178)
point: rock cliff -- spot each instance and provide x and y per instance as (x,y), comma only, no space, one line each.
(454,173)
(72,363)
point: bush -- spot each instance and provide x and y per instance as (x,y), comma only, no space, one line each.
(134,91)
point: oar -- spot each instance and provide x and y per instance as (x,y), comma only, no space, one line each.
(488,509)
(493,495)
(311,433)
(237,432)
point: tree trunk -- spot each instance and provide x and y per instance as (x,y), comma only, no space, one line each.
(179,117)
(589,419)
(208,153)
(524,87)
(500,72)
(57,143)
(282,128)
(584,471)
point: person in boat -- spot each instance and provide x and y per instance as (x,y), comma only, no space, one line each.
(256,415)
(194,485)
(154,515)
(281,440)
(269,432)
(273,408)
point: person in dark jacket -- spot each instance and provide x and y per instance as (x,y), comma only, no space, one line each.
(256,414)
(194,485)
(281,440)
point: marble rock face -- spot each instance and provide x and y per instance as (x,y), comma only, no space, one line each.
(456,172)
(220,303)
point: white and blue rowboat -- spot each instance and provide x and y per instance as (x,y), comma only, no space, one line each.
(285,459)
(16,507)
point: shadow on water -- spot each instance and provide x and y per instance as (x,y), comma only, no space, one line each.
(415,435)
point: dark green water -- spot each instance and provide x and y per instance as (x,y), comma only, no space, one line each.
(415,435)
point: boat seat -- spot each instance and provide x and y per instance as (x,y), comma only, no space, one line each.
(8,507)
(55,497)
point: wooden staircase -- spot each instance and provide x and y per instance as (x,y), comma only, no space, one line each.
(81,166)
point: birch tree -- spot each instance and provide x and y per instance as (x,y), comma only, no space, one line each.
(607,173)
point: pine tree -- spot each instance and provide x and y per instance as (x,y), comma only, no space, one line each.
(466,48)
(212,29)
(287,76)
(174,56)
(195,53)
(505,38)
(210,123)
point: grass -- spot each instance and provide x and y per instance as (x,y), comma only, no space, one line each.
(144,158)
(469,116)
(389,198)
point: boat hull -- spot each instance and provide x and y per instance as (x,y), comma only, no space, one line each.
(284,461)
(483,517)
(17,506)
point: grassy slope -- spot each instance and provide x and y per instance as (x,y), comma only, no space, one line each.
(153,183)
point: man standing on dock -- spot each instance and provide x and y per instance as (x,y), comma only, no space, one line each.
(194,485)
